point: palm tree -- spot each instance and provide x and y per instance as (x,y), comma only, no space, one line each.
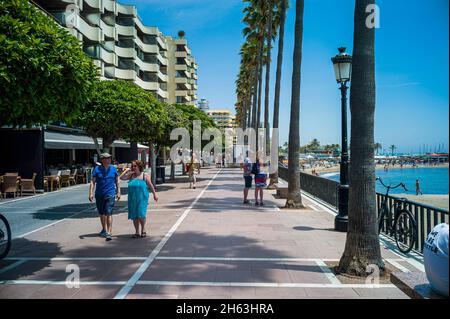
(392,148)
(276,104)
(377,147)
(294,197)
(362,247)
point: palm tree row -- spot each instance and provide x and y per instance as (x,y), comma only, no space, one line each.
(263,20)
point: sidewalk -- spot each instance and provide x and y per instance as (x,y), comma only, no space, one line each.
(202,243)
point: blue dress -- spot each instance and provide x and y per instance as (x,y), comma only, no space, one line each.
(137,198)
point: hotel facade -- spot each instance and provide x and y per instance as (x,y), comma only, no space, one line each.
(122,47)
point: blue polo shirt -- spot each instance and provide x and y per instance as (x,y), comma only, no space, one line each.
(105,180)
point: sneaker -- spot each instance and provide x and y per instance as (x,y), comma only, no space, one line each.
(261,204)
(246,202)
(256,204)
(102,233)
(108,236)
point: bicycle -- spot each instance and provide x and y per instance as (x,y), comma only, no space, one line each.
(402,226)
(5,237)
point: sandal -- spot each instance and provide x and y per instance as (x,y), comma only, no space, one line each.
(144,234)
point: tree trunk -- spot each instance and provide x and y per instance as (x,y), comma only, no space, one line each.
(255,97)
(294,197)
(172,170)
(107,142)
(276,104)
(267,88)
(258,111)
(362,247)
(97,146)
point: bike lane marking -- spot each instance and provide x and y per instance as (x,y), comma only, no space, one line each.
(138,274)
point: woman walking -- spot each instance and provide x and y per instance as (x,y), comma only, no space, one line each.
(138,192)
(260,181)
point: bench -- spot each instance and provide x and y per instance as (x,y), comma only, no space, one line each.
(282,192)
(414,284)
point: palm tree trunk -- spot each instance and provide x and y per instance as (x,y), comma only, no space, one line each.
(294,197)
(258,112)
(255,97)
(276,104)
(267,88)
(362,247)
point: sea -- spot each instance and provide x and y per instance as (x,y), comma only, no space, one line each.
(432,180)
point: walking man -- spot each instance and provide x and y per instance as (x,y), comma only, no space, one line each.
(105,179)
(418,191)
(247,167)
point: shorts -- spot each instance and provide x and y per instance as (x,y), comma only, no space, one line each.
(105,204)
(248,181)
(260,180)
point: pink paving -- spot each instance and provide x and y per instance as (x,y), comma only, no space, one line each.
(202,243)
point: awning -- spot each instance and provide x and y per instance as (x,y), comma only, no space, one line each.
(57,140)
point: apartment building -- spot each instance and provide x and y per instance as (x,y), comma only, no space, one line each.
(224,119)
(124,48)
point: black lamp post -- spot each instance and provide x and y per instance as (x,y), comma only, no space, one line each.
(342,64)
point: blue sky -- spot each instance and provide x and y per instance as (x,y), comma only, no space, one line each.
(412,63)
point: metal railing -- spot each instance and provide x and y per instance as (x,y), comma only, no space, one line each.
(322,188)
(426,217)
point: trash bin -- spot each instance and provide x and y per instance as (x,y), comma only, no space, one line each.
(160,174)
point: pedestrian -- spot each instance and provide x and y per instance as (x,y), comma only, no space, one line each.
(418,190)
(139,184)
(247,167)
(192,173)
(105,179)
(260,181)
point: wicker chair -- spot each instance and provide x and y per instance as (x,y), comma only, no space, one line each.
(10,185)
(73,177)
(27,185)
(65,180)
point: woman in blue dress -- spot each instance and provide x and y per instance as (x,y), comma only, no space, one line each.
(139,184)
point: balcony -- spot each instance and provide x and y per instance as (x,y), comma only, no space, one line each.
(181,54)
(126,30)
(148,67)
(108,31)
(161,43)
(99,53)
(149,86)
(148,48)
(125,74)
(162,60)
(145,29)
(163,77)
(126,9)
(163,94)
(195,76)
(110,5)
(95,4)
(125,52)
(181,67)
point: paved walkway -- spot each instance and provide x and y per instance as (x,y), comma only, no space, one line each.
(202,243)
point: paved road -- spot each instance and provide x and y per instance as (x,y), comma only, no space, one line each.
(202,243)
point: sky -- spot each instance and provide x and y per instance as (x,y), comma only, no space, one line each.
(412,64)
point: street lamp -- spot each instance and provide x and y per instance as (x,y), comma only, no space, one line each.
(342,64)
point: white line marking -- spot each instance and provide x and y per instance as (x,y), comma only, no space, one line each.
(54,223)
(44,194)
(276,208)
(261,284)
(242,259)
(62,283)
(331,277)
(74,258)
(137,275)
(397,265)
(13,265)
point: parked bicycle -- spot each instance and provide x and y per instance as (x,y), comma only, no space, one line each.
(402,225)
(5,237)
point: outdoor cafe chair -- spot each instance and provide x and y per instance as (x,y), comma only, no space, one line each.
(12,174)
(10,185)
(72,177)
(65,180)
(27,185)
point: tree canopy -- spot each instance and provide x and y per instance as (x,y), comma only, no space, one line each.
(44,73)
(121,109)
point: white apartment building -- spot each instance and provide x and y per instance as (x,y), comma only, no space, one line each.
(119,43)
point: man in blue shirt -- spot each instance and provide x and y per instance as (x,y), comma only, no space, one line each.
(105,179)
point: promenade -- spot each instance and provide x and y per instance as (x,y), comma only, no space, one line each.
(201,243)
